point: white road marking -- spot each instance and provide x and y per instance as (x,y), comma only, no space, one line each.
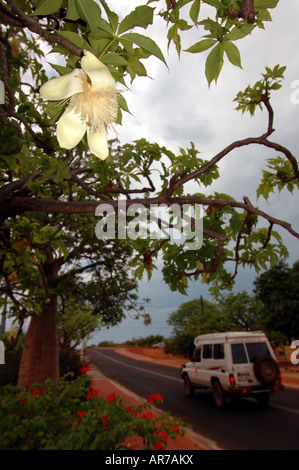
(140,368)
(274,405)
(285,408)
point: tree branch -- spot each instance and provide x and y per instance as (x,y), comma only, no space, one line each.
(17,205)
(31,22)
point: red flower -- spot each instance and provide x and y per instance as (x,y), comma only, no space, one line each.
(81,413)
(35,393)
(148,415)
(162,434)
(111,397)
(104,420)
(91,393)
(84,369)
(159,446)
(175,428)
(155,398)
(134,412)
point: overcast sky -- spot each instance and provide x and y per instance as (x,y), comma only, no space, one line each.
(176,106)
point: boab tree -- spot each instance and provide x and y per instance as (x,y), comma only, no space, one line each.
(53,177)
(57,268)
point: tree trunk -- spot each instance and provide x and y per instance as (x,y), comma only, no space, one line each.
(40,358)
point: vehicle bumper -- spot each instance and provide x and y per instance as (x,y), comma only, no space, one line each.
(243,391)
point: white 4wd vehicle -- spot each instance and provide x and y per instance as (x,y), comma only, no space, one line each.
(233,364)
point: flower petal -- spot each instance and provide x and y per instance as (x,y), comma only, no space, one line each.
(70,129)
(98,73)
(63,87)
(97,142)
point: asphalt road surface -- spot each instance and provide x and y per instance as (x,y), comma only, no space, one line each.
(242,426)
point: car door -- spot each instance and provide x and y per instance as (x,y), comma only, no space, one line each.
(195,366)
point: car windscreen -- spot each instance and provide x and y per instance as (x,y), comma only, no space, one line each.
(256,349)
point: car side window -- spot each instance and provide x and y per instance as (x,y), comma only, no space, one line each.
(218,351)
(207,351)
(197,355)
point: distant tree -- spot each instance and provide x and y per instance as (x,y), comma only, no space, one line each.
(233,312)
(195,317)
(190,320)
(278,289)
(241,312)
(76,322)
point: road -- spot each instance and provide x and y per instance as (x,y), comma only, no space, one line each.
(242,426)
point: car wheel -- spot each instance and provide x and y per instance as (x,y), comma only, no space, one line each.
(189,389)
(266,369)
(219,395)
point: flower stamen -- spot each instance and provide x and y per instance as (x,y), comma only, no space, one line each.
(96,108)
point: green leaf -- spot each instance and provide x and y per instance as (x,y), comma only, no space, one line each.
(264,190)
(214,3)
(240,32)
(174,36)
(194,11)
(61,69)
(138,272)
(74,38)
(144,42)
(112,17)
(89,11)
(264,4)
(46,7)
(113,58)
(54,110)
(235,223)
(142,16)
(232,53)
(60,176)
(201,45)
(72,12)
(123,104)
(214,63)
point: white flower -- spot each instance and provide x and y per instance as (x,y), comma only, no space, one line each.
(92,104)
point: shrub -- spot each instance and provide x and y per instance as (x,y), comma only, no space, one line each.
(151,340)
(67,415)
(69,361)
(106,344)
(182,345)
